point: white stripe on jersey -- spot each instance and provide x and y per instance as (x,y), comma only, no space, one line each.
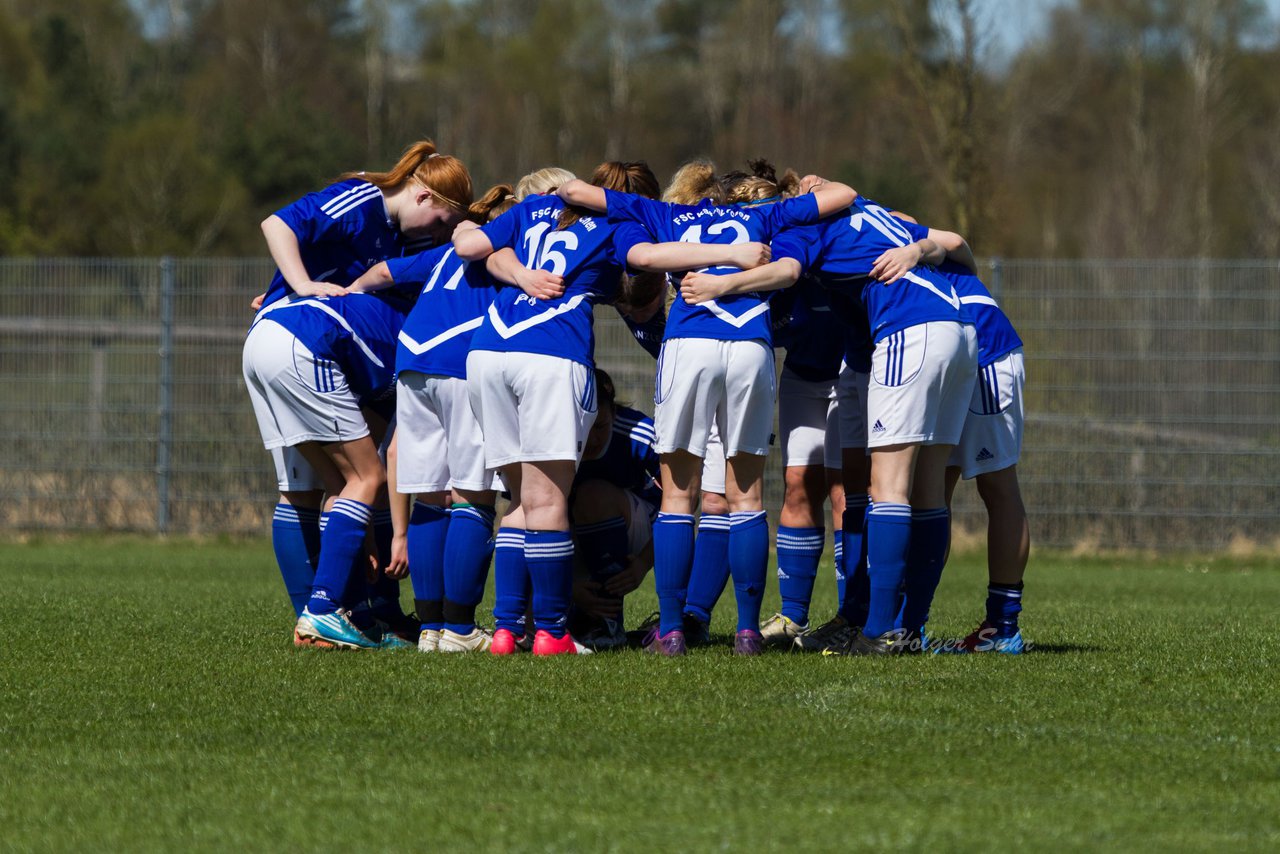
(314,302)
(337,200)
(550,314)
(979,300)
(356,201)
(418,349)
(738,321)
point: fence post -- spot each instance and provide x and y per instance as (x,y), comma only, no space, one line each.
(997,277)
(165,439)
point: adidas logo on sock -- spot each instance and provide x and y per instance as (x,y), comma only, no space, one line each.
(877,427)
(983,456)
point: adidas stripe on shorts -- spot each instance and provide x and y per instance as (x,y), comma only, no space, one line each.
(808,422)
(703,381)
(440,444)
(297,396)
(992,436)
(531,407)
(921,381)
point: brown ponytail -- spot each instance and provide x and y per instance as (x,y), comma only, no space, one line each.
(442,174)
(494,203)
(634,177)
(760,183)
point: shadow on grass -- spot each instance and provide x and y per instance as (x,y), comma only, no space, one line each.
(1062,648)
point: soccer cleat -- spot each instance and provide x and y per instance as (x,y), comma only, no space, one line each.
(642,635)
(831,638)
(608,634)
(671,644)
(429,640)
(406,627)
(696,632)
(336,629)
(545,643)
(782,631)
(312,643)
(388,639)
(476,640)
(505,643)
(748,642)
(892,642)
(989,638)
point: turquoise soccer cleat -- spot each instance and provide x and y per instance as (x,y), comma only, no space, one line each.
(335,628)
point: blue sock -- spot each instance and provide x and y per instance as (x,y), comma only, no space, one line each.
(510,581)
(749,564)
(295,537)
(466,564)
(428,528)
(549,555)
(710,571)
(672,559)
(1004,603)
(930,534)
(856,592)
(888,537)
(799,551)
(341,544)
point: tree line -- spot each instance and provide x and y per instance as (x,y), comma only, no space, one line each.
(1129,128)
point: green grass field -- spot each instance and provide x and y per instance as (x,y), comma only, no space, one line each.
(150,699)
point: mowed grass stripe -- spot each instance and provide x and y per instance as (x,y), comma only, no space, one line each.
(150,699)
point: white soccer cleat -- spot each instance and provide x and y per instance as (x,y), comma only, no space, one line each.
(476,640)
(781,631)
(429,640)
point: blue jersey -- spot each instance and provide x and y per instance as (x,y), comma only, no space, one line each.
(813,335)
(841,251)
(733,318)
(649,334)
(455,296)
(590,255)
(357,332)
(996,335)
(342,231)
(628,461)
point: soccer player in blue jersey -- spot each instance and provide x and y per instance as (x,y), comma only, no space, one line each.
(615,498)
(531,374)
(988,452)
(716,367)
(807,418)
(439,445)
(318,367)
(923,369)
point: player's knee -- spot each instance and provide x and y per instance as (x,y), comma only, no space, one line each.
(714,504)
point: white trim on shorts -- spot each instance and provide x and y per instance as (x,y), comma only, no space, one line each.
(713,464)
(531,407)
(921,381)
(992,436)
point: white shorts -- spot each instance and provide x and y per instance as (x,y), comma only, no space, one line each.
(807,422)
(531,407)
(921,381)
(440,445)
(992,436)
(640,525)
(297,396)
(702,381)
(851,389)
(713,464)
(293,472)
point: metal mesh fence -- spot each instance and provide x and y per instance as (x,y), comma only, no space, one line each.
(1153,399)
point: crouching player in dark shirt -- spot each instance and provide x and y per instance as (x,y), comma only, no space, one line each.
(615,498)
